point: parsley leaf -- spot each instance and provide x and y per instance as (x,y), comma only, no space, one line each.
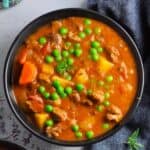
(63,67)
(132,141)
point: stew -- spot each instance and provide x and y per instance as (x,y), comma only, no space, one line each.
(74,78)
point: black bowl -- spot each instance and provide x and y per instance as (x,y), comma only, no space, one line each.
(59,14)
(6,145)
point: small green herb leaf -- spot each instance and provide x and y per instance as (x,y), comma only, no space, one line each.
(132,141)
(63,67)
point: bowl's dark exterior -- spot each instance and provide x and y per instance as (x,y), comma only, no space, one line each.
(9,145)
(59,14)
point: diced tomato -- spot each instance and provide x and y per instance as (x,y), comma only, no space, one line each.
(46,49)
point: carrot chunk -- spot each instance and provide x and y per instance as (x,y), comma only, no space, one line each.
(28,73)
(23,56)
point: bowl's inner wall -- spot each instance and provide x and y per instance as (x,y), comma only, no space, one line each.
(32,27)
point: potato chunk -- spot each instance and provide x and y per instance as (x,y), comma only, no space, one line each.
(81,76)
(104,65)
(40,119)
(63,81)
(47,69)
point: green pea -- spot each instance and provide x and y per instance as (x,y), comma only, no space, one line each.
(46,95)
(101,83)
(75,127)
(48,108)
(105,126)
(71,50)
(56,83)
(88,31)
(95,44)
(109,78)
(54,96)
(106,103)
(68,90)
(68,44)
(42,40)
(87,21)
(77,52)
(58,58)
(89,134)
(89,92)
(78,134)
(106,95)
(63,31)
(97,30)
(70,61)
(63,95)
(99,49)
(95,57)
(77,45)
(56,52)
(79,87)
(49,123)
(65,53)
(41,89)
(60,90)
(100,108)
(93,51)
(49,59)
(82,35)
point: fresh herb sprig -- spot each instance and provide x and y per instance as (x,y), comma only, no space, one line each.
(63,67)
(132,140)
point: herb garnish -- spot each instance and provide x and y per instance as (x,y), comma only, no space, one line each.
(132,141)
(63,67)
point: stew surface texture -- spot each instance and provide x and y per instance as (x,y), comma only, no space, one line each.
(74,79)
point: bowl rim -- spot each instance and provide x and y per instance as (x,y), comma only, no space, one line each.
(139,64)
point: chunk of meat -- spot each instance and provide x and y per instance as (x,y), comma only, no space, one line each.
(28,73)
(73,121)
(123,70)
(56,40)
(56,102)
(32,88)
(87,102)
(32,43)
(35,103)
(54,131)
(114,114)
(75,96)
(114,54)
(59,114)
(81,76)
(74,37)
(96,96)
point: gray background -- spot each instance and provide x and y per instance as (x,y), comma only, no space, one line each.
(11,22)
